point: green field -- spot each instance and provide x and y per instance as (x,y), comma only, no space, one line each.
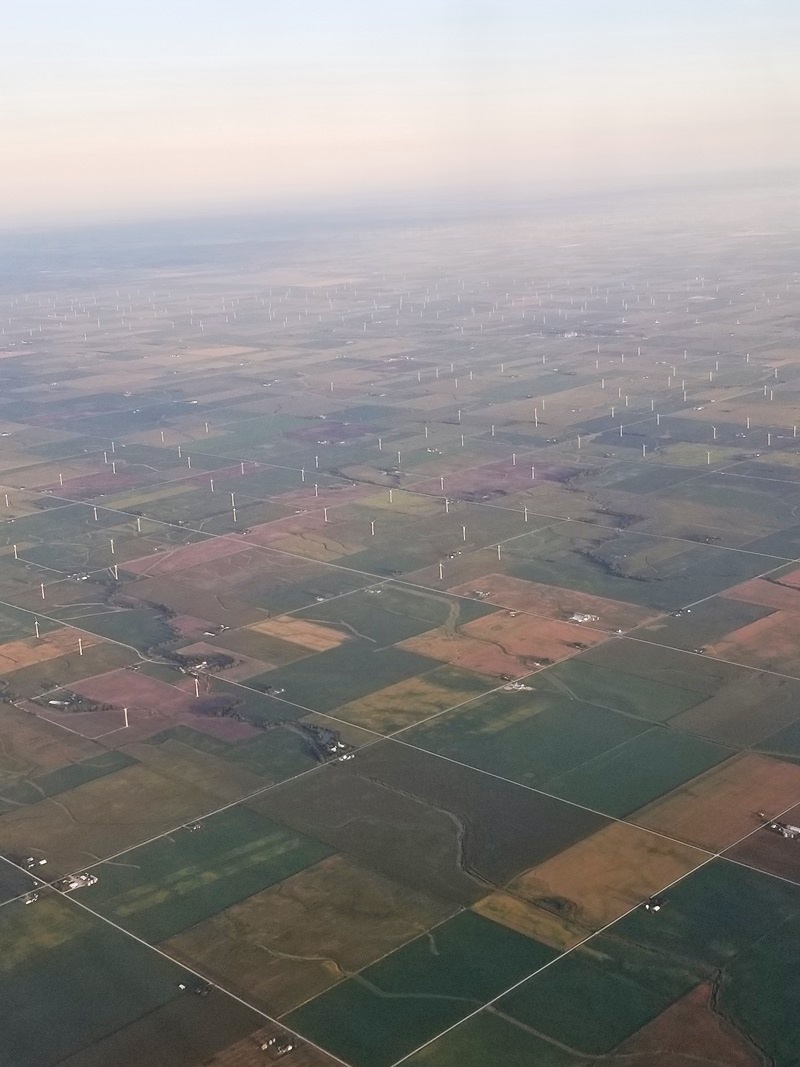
(13,881)
(419,990)
(620,781)
(181,1033)
(544,443)
(345,673)
(16,624)
(395,613)
(707,623)
(760,992)
(70,980)
(142,628)
(188,876)
(500,829)
(598,995)
(610,687)
(529,737)
(274,754)
(488,1040)
(32,789)
(637,568)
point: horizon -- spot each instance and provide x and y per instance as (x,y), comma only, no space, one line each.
(118,116)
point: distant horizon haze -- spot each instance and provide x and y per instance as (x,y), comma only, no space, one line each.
(117,113)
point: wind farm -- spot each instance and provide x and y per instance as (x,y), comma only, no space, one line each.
(398,651)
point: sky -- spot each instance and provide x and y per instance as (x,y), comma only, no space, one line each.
(157,108)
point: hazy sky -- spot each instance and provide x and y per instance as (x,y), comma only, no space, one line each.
(157,107)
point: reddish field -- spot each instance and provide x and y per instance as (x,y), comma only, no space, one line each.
(231,569)
(188,596)
(179,559)
(556,603)
(471,653)
(532,637)
(689,1033)
(770,852)
(791,579)
(768,594)
(203,479)
(143,722)
(269,532)
(90,485)
(189,627)
(308,536)
(719,807)
(770,642)
(494,478)
(499,644)
(152,706)
(137,692)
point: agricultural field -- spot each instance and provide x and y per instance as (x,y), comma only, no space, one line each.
(419,990)
(402,665)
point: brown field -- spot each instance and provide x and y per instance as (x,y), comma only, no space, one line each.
(556,603)
(216,352)
(768,851)
(152,705)
(63,671)
(778,595)
(37,475)
(101,817)
(500,477)
(470,653)
(237,571)
(15,655)
(530,637)
(406,702)
(31,745)
(187,597)
(201,479)
(315,636)
(247,1053)
(268,532)
(288,943)
(138,692)
(225,780)
(259,646)
(402,503)
(306,535)
(91,725)
(317,546)
(179,559)
(528,919)
(329,496)
(770,642)
(59,594)
(719,807)
(690,1032)
(90,485)
(791,579)
(590,884)
(189,627)
(244,667)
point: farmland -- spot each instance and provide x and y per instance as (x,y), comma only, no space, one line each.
(409,651)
